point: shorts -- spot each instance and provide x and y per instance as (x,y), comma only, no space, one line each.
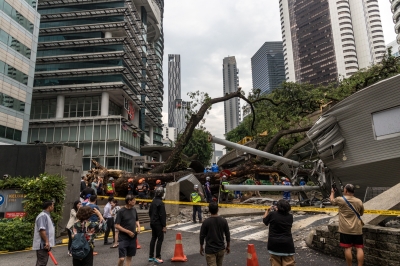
(127,248)
(348,241)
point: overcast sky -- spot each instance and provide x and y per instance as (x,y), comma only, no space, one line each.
(204,32)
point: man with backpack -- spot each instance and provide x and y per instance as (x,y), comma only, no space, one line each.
(110,187)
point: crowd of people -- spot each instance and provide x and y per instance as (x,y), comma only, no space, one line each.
(86,221)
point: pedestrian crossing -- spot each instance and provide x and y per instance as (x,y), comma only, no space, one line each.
(252,228)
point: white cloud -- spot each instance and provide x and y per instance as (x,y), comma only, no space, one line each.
(204,32)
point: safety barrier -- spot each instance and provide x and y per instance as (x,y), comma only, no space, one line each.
(265,207)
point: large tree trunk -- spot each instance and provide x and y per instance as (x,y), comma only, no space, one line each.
(174,162)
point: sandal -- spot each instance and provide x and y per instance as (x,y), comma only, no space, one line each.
(114,246)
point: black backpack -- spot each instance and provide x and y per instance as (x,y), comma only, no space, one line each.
(80,247)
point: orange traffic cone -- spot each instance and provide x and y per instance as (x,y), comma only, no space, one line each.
(252,259)
(178,253)
(138,246)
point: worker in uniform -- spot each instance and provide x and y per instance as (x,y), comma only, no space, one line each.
(302,182)
(142,190)
(158,184)
(131,187)
(196,197)
(224,192)
(286,182)
(207,187)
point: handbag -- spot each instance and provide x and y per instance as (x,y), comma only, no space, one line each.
(352,208)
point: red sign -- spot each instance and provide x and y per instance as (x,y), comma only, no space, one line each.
(10,215)
(131,111)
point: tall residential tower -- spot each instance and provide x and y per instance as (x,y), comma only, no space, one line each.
(324,40)
(174,86)
(98,80)
(231,83)
(267,67)
(19,31)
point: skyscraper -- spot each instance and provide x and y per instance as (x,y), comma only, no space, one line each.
(268,67)
(98,80)
(174,86)
(19,30)
(395,5)
(231,83)
(324,40)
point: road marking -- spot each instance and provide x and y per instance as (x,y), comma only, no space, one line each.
(262,235)
(242,229)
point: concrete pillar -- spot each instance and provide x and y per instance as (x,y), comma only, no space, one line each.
(124,113)
(60,106)
(105,102)
(108,34)
(151,132)
(172,193)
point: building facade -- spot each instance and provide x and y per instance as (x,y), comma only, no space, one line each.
(174,86)
(268,67)
(395,48)
(19,31)
(98,79)
(325,40)
(230,74)
(169,135)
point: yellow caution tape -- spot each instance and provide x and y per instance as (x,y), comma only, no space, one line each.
(265,207)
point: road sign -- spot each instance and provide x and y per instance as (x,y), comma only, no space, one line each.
(1,199)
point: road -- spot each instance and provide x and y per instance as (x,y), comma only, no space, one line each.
(241,236)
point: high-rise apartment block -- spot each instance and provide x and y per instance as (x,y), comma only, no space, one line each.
(19,31)
(268,67)
(98,80)
(231,83)
(324,40)
(174,86)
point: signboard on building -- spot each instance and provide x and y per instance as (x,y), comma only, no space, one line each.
(128,105)
(11,203)
(128,151)
(139,161)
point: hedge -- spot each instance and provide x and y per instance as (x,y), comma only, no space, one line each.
(17,234)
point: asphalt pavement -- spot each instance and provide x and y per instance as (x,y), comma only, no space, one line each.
(108,256)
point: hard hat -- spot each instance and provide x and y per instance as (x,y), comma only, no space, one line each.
(224,176)
(283,178)
(159,192)
(140,181)
(208,178)
(301,178)
(158,181)
(130,180)
(196,186)
(111,178)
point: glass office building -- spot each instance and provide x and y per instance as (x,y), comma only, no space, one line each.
(98,80)
(268,67)
(19,30)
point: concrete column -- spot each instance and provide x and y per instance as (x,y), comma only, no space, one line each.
(60,106)
(105,102)
(124,113)
(108,34)
(151,132)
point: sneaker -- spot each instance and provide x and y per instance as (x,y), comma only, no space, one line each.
(151,259)
(194,222)
(158,260)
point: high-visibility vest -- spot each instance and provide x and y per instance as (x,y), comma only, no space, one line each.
(195,197)
(223,184)
(109,188)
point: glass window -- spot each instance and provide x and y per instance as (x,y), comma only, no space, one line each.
(13,73)
(42,134)
(103,133)
(57,134)
(96,133)
(112,132)
(9,133)
(111,148)
(95,148)
(2,131)
(81,130)
(35,134)
(50,133)
(86,149)
(73,133)
(88,132)
(86,164)
(17,135)
(65,134)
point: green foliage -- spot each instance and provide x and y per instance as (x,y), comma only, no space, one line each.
(16,234)
(198,144)
(291,105)
(198,99)
(44,187)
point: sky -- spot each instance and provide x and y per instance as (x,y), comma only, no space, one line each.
(204,32)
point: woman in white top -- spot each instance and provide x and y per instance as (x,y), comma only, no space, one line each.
(72,221)
(114,209)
